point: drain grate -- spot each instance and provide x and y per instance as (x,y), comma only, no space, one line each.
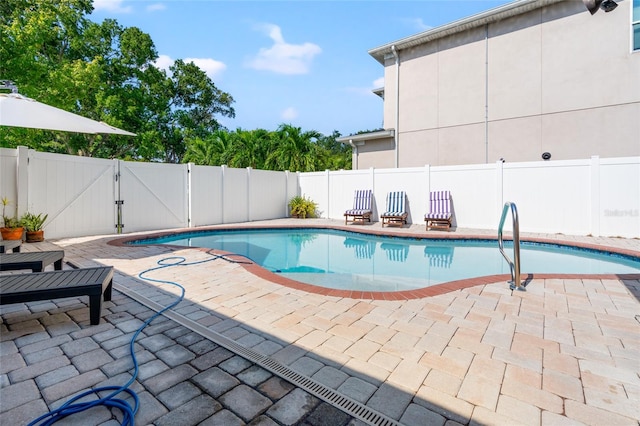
(346,404)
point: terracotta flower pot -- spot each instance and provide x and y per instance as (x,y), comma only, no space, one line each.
(11,233)
(35,236)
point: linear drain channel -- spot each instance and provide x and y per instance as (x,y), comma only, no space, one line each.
(348,405)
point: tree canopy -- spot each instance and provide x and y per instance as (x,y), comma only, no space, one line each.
(287,148)
(55,54)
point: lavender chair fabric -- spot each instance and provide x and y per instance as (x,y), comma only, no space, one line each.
(361,207)
(439,215)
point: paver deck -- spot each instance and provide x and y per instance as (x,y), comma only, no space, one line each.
(566,351)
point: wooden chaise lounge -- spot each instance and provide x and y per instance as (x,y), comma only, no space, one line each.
(93,282)
(396,212)
(361,210)
(439,215)
(35,260)
(7,245)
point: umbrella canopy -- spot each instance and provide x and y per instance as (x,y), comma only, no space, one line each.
(19,111)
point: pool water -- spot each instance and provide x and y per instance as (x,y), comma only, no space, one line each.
(353,261)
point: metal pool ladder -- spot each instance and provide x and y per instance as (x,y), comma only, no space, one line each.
(515,264)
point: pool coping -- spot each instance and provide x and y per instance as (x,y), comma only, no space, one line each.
(433,290)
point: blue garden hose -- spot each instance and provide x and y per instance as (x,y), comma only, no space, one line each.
(71,407)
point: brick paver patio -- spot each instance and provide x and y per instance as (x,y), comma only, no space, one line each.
(566,351)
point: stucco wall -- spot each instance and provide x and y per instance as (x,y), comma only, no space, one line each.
(375,153)
(555,80)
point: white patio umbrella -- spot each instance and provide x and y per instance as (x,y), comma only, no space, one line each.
(19,111)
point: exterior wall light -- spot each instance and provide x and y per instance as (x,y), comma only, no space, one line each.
(608,5)
(593,5)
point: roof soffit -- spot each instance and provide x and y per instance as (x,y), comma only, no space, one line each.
(363,137)
(493,15)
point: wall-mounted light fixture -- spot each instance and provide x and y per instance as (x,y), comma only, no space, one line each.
(593,5)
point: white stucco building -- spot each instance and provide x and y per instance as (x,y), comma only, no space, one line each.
(515,82)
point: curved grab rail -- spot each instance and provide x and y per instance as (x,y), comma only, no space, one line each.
(515,264)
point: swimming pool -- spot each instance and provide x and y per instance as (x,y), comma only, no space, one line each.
(346,260)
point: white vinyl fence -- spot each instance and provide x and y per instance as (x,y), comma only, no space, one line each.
(89,196)
(597,196)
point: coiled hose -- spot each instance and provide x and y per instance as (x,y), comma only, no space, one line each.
(128,410)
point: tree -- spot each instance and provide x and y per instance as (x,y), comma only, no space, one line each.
(194,102)
(214,150)
(107,73)
(250,148)
(293,149)
(336,155)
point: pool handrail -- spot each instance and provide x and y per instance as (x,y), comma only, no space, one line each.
(515,264)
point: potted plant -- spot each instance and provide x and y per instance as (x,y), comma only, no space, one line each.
(11,227)
(33,225)
(302,207)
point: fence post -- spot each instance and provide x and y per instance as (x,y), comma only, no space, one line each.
(189,194)
(286,193)
(328,214)
(372,177)
(22,181)
(249,215)
(595,196)
(499,190)
(222,186)
(117,200)
(427,185)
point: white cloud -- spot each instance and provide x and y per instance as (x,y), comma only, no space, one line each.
(164,62)
(283,57)
(367,91)
(211,67)
(156,6)
(289,114)
(418,24)
(114,6)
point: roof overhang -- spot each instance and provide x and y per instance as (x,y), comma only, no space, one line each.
(361,138)
(490,16)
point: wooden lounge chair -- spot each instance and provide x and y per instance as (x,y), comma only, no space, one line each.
(35,260)
(439,215)
(395,212)
(361,207)
(13,245)
(93,282)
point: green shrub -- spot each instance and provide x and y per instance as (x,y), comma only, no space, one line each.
(33,222)
(302,207)
(8,221)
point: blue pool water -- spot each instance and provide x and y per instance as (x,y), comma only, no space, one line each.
(354,261)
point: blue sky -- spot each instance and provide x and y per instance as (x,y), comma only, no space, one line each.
(300,62)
